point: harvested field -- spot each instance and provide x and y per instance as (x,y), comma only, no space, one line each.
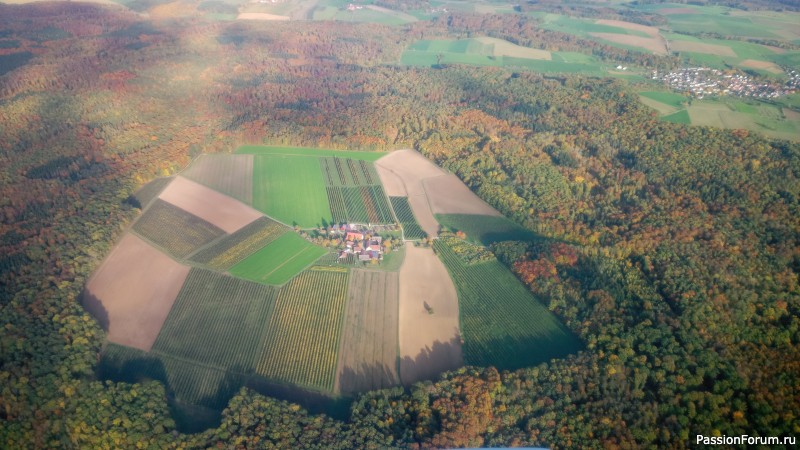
(176,231)
(652,31)
(653,44)
(230,174)
(368,352)
(430,341)
(449,195)
(260,16)
(765,65)
(402,172)
(209,205)
(699,47)
(132,292)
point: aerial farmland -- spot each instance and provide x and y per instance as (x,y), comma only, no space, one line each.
(311,270)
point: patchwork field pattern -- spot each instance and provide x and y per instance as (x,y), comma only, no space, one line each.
(354,191)
(217,320)
(234,248)
(368,355)
(411,229)
(301,344)
(176,231)
(230,174)
(502,324)
(279,261)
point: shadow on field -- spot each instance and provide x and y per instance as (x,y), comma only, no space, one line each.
(314,402)
(95,307)
(431,362)
(366,377)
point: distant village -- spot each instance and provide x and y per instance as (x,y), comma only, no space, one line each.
(702,82)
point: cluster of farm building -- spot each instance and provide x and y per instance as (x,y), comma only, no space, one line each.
(700,82)
(360,242)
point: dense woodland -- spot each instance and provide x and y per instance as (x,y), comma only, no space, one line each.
(671,251)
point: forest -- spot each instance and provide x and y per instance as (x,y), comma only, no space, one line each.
(670,251)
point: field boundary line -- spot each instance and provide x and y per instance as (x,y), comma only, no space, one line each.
(287,261)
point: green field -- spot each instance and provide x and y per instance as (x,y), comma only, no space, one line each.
(725,112)
(291,189)
(429,53)
(411,228)
(279,261)
(485,229)
(678,117)
(301,345)
(306,151)
(668,98)
(234,248)
(580,27)
(502,324)
(217,320)
(176,231)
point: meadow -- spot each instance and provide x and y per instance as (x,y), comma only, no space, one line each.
(234,248)
(290,189)
(502,323)
(279,261)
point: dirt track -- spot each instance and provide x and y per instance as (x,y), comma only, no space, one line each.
(209,205)
(429,343)
(132,293)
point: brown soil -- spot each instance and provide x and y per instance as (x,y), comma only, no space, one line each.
(766,65)
(209,205)
(411,168)
(229,174)
(429,343)
(653,44)
(449,195)
(132,292)
(368,353)
(699,47)
(429,188)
